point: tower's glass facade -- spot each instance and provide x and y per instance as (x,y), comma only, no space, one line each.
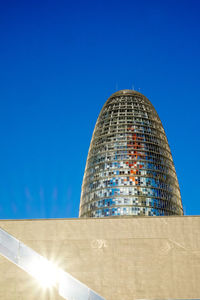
(129,169)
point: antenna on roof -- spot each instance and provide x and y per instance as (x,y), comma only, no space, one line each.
(133,88)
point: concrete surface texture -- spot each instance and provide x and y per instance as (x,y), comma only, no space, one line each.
(119,258)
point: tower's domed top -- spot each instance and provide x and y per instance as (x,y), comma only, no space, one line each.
(129,169)
(125,92)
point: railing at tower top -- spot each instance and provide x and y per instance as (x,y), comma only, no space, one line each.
(43,270)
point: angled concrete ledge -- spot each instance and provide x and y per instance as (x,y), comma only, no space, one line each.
(119,258)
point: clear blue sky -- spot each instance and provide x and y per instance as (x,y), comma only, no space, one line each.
(60,61)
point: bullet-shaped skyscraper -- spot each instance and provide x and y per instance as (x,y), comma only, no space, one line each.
(129,169)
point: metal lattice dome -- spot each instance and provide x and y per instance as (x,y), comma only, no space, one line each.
(129,169)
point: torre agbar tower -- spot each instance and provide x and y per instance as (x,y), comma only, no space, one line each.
(129,169)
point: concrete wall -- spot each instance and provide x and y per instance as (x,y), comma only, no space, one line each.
(121,259)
